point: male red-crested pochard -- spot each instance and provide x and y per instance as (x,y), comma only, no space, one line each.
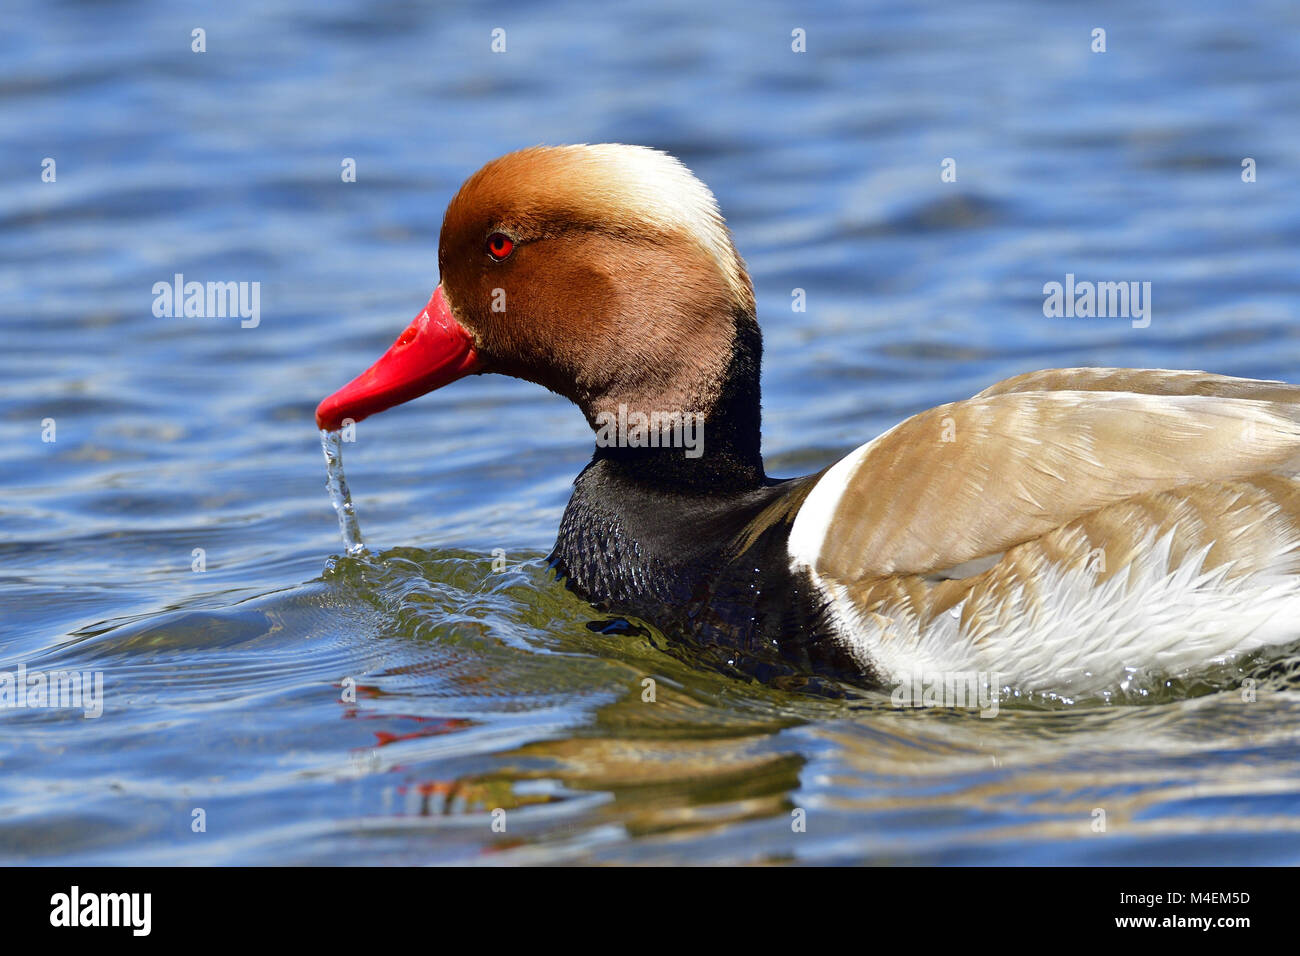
(1059,529)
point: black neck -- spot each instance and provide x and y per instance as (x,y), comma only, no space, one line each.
(730,458)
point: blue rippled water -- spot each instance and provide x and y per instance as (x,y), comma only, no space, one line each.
(477,690)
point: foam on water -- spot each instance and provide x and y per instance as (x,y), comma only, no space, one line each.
(336,483)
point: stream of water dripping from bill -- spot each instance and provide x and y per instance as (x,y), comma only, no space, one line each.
(331,443)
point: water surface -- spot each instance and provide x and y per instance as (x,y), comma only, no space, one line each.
(322,708)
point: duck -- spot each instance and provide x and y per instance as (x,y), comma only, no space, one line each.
(1062,530)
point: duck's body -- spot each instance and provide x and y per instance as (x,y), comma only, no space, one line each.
(1142,566)
(1060,530)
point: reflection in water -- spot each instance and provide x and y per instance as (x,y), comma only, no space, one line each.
(710,756)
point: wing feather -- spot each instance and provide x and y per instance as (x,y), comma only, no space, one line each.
(973,478)
(1146,381)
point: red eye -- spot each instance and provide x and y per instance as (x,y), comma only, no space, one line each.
(499,245)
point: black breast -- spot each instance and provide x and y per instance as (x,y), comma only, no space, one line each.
(709,569)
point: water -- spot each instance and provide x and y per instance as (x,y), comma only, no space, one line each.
(321,707)
(336,483)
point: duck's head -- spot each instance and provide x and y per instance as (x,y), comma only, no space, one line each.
(604,273)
